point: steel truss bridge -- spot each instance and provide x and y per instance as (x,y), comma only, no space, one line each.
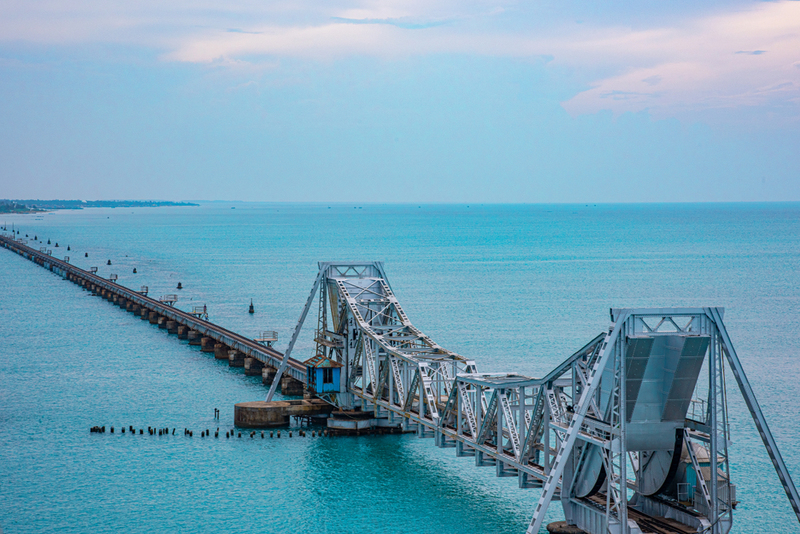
(623,432)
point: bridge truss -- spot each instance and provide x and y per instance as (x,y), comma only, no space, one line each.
(623,432)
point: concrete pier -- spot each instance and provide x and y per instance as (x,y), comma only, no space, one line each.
(183,332)
(252,367)
(172,327)
(153,317)
(260,414)
(144,313)
(562,527)
(235,358)
(162,322)
(207,344)
(221,351)
(268,375)
(291,387)
(194,337)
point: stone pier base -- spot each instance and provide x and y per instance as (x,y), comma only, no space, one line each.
(261,414)
(172,327)
(291,387)
(153,317)
(183,332)
(221,351)
(194,337)
(235,358)
(162,322)
(252,367)
(268,375)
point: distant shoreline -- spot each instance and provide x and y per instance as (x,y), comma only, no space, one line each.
(41,206)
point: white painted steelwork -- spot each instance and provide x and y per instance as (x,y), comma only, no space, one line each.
(605,432)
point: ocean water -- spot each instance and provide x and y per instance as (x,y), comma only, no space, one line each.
(516,288)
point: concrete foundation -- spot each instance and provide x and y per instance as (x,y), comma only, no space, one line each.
(221,351)
(268,375)
(144,313)
(291,387)
(261,414)
(153,317)
(194,337)
(162,322)
(252,367)
(235,358)
(183,332)
(561,527)
(172,327)
(207,344)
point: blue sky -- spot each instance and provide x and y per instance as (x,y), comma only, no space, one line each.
(467,101)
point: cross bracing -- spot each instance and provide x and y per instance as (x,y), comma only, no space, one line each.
(607,432)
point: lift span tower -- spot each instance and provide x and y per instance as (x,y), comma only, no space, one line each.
(630,433)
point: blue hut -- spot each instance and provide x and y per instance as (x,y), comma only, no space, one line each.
(324,374)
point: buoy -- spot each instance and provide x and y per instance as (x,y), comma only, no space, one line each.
(56,242)
(112,429)
(134,270)
(180,286)
(226,435)
(67,247)
(123,429)
(141,431)
(85,254)
(35,238)
(252,309)
(48,241)
(109,262)
(216,434)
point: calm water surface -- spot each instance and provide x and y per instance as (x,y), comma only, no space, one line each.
(517,288)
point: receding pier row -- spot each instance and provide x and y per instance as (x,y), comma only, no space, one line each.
(240,351)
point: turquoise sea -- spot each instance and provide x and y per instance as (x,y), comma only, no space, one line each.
(516,288)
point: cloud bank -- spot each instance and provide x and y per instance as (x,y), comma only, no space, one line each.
(732,58)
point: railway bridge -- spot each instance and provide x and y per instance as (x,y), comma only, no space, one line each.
(630,433)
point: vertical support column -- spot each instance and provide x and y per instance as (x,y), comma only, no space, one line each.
(623,440)
(712,407)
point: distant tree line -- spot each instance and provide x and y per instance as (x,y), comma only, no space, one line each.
(29,206)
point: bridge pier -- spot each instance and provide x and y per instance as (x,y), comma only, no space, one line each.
(262,414)
(207,344)
(144,313)
(252,367)
(153,317)
(162,322)
(172,327)
(221,351)
(183,332)
(194,337)
(235,358)
(268,375)
(290,386)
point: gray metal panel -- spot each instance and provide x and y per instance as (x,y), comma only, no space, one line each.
(685,378)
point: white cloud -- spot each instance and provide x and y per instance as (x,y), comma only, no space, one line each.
(738,58)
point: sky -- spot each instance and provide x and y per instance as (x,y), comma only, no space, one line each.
(400,101)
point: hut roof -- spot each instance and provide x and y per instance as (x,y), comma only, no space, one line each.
(320,361)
